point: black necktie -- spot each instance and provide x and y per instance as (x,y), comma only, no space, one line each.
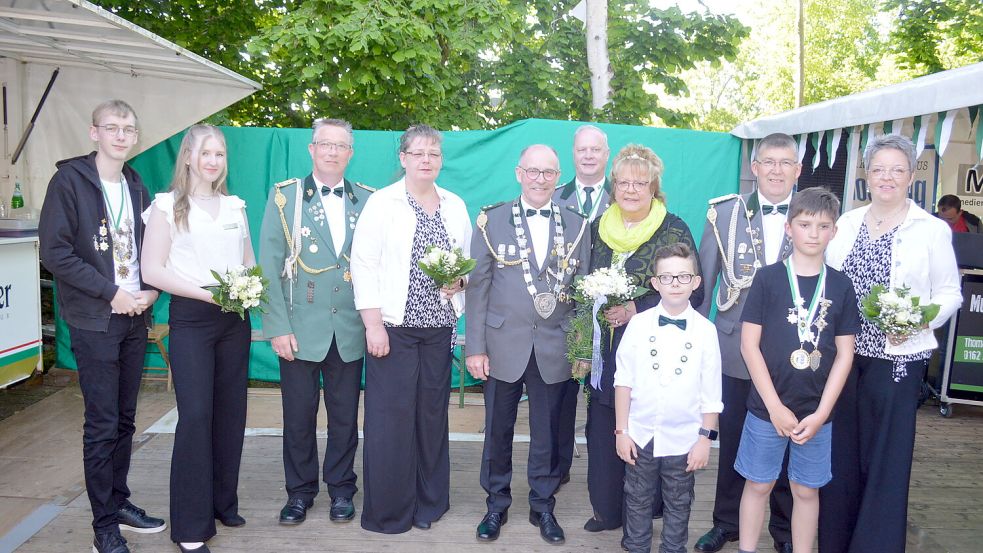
(337,191)
(543,212)
(780,208)
(588,201)
(663,321)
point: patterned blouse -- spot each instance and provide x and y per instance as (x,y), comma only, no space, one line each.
(424,309)
(868,264)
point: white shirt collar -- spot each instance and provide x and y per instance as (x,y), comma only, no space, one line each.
(764,201)
(319,184)
(685,315)
(525,205)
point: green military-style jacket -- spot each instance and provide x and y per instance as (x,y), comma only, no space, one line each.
(318,305)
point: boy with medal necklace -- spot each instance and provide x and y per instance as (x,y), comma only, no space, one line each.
(797,339)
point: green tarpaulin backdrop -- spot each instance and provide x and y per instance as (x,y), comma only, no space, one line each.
(478,166)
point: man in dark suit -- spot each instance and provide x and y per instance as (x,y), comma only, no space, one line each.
(528,252)
(590,194)
(316,332)
(757,239)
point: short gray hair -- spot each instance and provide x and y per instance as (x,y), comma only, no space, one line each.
(419,131)
(893,142)
(777,140)
(585,128)
(328,122)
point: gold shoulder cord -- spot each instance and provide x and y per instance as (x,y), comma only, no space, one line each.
(281,201)
(481,222)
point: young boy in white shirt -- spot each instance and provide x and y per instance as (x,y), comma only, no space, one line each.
(667,401)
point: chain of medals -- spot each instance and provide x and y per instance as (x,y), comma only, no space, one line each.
(729,278)
(121,231)
(544,302)
(804,318)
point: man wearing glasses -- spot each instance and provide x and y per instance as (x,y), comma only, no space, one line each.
(91,233)
(528,252)
(311,320)
(744,233)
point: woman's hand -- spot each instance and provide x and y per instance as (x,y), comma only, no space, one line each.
(448,291)
(377,340)
(626,448)
(620,314)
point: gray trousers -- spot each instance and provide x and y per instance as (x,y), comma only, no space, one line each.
(677,498)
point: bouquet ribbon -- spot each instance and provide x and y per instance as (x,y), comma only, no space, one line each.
(596,363)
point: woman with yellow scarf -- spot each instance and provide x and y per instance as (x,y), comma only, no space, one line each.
(626,236)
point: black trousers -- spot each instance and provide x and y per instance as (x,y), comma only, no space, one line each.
(300,382)
(405,456)
(209,361)
(730,484)
(501,407)
(568,426)
(110,365)
(865,506)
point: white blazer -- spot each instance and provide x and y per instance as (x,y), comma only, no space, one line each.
(921,259)
(382,248)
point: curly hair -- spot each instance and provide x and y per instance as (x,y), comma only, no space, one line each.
(638,159)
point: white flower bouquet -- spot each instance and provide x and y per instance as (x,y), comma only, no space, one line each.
(896,312)
(240,289)
(594,293)
(445,266)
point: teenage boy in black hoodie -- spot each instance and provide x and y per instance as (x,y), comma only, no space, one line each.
(91,233)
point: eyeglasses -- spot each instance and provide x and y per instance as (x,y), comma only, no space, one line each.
(894,173)
(626,185)
(666,279)
(129,132)
(420,154)
(327,146)
(770,164)
(548,174)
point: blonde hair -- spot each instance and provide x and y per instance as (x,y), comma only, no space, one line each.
(636,158)
(181,182)
(115,107)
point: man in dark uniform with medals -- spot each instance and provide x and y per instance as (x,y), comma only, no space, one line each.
(312,322)
(528,252)
(744,233)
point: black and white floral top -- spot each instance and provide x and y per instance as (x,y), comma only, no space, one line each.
(424,309)
(867,264)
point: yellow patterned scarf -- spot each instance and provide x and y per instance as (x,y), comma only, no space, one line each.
(621,240)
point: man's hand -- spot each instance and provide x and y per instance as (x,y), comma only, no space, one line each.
(699,455)
(146,298)
(807,428)
(626,448)
(125,303)
(784,421)
(377,340)
(285,346)
(478,366)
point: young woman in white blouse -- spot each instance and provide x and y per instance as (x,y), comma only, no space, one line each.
(193,229)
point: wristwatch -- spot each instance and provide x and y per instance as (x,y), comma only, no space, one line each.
(710,434)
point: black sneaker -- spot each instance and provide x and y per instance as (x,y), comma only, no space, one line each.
(135,519)
(109,542)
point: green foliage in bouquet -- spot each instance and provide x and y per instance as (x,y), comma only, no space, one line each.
(445,267)
(896,312)
(240,289)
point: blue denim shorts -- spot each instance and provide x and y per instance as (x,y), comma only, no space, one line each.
(760,455)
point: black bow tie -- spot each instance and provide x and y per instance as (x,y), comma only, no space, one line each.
(337,191)
(663,321)
(543,212)
(768,209)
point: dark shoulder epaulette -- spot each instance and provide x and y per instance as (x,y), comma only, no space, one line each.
(287,182)
(724,198)
(493,206)
(364,187)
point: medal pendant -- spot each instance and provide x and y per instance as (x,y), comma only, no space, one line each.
(123,271)
(545,304)
(799,359)
(312,248)
(347,276)
(814,359)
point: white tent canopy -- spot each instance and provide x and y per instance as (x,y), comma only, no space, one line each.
(940,110)
(100,56)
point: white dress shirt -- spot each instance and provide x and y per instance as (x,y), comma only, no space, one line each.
(334,209)
(595,197)
(667,408)
(773,227)
(382,248)
(539,233)
(208,244)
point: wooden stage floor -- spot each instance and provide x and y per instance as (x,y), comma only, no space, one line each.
(43,507)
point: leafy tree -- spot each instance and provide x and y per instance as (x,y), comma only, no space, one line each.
(934,35)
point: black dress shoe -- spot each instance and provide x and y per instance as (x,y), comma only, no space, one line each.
(233,521)
(342,509)
(549,528)
(109,542)
(295,511)
(202,549)
(714,540)
(421,524)
(135,519)
(491,526)
(595,524)
(783,546)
